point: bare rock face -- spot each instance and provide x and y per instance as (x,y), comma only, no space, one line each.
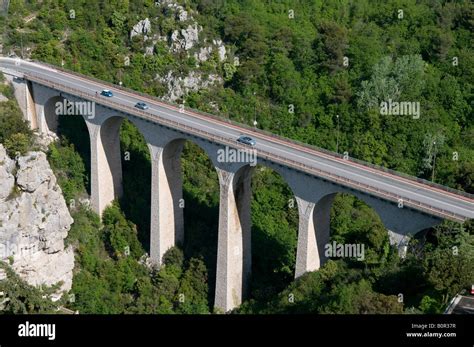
(185,39)
(220,49)
(182,15)
(190,36)
(43,140)
(204,54)
(143,27)
(7,180)
(179,86)
(34,221)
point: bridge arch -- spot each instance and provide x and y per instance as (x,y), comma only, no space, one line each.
(357,222)
(274,214)
(182,212)
(51,116)
(177,160)
(107,155)
(59,123)
(186,164)
(111,163)
(315,224)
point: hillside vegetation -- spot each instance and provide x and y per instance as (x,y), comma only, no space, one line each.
(312,71)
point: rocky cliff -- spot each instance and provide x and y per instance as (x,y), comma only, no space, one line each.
(34,221)
(186,39)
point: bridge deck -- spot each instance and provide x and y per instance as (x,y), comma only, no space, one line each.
(421,195)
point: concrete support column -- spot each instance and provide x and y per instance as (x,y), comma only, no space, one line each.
(39,105)
(41,119)
(234,238)
(106,165)
(313,234)
(167,222)
(30,108)
(25,100)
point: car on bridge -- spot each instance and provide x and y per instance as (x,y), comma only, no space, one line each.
(141,105)
(247,140)
(106,93)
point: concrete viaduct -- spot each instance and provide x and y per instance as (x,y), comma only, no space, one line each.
(405,205)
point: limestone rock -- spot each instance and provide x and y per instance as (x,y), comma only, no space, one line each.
(33,171)
(220,49)
(143,27)
(179,86)
(191,36)
(34,221)
(43,140)
(204,54)
(7,180)
(185,39)
(182,15)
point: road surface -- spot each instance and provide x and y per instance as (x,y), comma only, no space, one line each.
(427,198)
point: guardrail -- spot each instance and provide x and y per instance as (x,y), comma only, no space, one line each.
(267,133)
(263,154)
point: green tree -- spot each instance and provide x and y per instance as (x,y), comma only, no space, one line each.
(17,143)
(18,297)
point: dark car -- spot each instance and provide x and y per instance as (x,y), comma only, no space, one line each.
(106,93)
(246,140)
(141,105)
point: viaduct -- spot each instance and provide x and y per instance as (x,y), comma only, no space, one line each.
(405,204)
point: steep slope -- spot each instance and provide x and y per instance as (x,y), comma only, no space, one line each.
(34,221)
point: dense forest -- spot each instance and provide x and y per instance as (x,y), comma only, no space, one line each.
(312,71)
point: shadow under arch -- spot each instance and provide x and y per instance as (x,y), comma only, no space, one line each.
(71,129)
(197,175)
(135,174)
(274,214)
(353,224)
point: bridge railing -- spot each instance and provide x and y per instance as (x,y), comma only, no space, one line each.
(263,154)
(249,129)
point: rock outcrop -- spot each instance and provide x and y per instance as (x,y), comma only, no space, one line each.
(34,221)
(186,39)
(179,86)
(143,27)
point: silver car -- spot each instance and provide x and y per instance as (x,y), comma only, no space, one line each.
(247,140)
(141,105)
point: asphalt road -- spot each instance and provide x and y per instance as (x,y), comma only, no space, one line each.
(403,187)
